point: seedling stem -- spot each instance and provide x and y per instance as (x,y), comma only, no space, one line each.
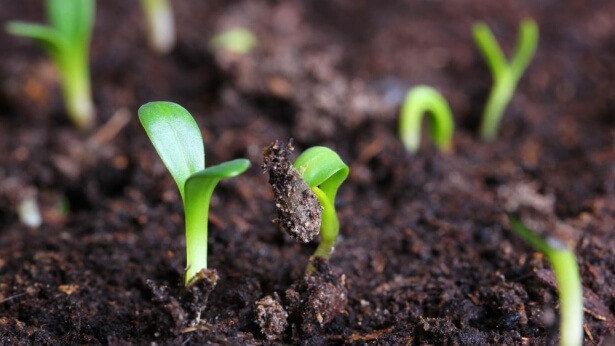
(505,76)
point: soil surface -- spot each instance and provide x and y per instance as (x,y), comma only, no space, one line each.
(425,254)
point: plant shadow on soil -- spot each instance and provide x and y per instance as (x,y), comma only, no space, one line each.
(425,254)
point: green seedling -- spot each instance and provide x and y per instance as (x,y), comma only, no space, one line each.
(418,101)
(177,139)
(67,41)
(568,280)
(160,25)
(238,41)
(505,75)
(324,171)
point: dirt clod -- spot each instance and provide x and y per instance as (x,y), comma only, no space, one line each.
(299,212)
(317,299)
(271,317)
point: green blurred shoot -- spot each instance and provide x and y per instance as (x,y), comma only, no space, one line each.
(418,101)
(324,171)
(237,40)
(160,25)
(67,41)
(568,280)
(505,76)
(177,139)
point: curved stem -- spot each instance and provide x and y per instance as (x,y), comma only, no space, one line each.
(329,228)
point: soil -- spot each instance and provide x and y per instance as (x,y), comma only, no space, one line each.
(425,254)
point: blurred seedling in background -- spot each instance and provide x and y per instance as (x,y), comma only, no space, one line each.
(305,193)
(160,25)
(505,75)
(237,40)
(67,41)
(177,139)
(568,280)
(420,100)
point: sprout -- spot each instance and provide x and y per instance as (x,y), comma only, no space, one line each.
(67,41)
(238,40)
(177,139)
(505,76)
(160,24)
(419,100)
(324,171)
(568,281)
(305,193)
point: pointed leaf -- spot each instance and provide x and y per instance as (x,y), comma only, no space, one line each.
(176,137)
(321,166)
(47,36)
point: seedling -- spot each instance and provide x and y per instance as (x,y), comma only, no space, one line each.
(67,41)
(419,100)
(324,171)
(237,40)
(505,75)
(568,280)
(177,139)
(305,193)
(160,24)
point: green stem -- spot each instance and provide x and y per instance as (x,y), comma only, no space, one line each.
(160,24)
(500,95)
(77,91)
(568,280)
(570,296)
(197,215)
(329,228)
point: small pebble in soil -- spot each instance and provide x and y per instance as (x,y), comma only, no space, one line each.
(299,212)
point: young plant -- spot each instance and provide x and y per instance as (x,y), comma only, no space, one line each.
(324,171)
(67,41)
(419,100)
(177,139)
(505,75)
(160,24)
(568,280)
(237,40)
(305,193)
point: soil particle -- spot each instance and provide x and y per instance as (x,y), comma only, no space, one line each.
(271,317)
(299,212)
(185,311)
(317,299)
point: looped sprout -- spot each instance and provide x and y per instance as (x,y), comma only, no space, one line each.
(420,100)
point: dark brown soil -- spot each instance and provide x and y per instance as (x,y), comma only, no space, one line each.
(425,254)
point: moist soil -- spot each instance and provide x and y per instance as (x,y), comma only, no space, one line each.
(425,254)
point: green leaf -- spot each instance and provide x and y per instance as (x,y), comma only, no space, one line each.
(322,167)
(48,37)
(490,48)
(73,19)
(526,47)
(176,137)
